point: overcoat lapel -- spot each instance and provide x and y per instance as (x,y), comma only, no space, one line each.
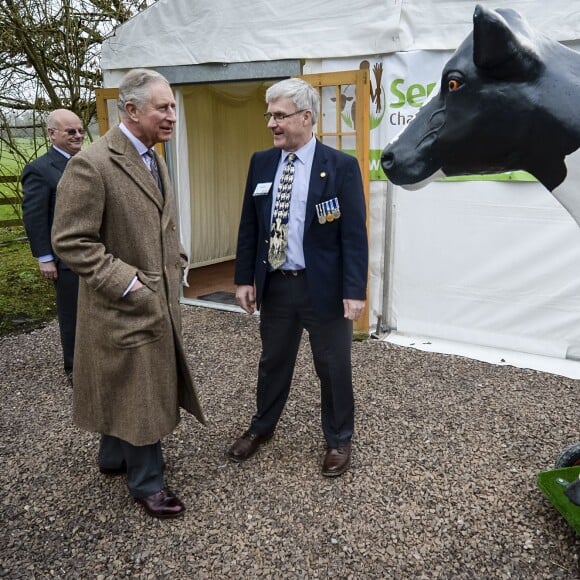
(125,156)
(167,194)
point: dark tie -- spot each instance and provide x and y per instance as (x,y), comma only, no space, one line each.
(154,168)
(279,230)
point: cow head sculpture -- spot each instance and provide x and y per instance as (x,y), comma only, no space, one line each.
(509,99)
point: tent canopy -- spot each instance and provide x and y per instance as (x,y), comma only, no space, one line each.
(189,32)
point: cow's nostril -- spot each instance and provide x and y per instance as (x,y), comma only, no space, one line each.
(387,160)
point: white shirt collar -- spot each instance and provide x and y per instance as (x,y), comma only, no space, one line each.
(67,155)
(141,148)
(305,152)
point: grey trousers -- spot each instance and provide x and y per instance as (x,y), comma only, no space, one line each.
(67,290)
(144,464)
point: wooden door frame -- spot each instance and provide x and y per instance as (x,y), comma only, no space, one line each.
(101,98)
(361,131)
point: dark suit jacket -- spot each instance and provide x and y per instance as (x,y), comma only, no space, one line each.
(39,182)
(336,253)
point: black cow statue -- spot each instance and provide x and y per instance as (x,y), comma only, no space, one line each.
(509,100)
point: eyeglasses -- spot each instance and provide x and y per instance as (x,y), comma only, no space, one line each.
(71,132)
(278,117)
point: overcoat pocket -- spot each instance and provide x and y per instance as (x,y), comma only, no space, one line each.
(137,319)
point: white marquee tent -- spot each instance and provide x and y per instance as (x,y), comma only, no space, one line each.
(485,268)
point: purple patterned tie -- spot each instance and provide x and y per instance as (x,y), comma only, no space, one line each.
(154,168)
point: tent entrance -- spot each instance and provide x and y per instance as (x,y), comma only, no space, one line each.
(221,127)
(213,284)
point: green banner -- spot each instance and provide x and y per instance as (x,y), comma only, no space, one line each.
(377,174)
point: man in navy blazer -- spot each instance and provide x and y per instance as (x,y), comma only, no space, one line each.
(302,259)
(39,182)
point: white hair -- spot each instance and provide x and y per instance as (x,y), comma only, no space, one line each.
(135,85)
(303,95)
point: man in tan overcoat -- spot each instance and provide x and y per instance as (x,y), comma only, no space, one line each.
(115,226)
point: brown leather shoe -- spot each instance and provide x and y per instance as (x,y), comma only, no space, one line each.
(162,504)
(247,445)
(336,460)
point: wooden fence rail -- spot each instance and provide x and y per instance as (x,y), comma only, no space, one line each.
(10,201)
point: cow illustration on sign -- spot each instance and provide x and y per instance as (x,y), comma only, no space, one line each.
(376,92)
(508,101)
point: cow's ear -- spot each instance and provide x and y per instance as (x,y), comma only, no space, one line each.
(501,51)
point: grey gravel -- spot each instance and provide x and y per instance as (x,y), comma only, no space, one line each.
(442,483)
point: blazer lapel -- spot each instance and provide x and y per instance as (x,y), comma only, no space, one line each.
(57,160)
(318,181)
(271,164)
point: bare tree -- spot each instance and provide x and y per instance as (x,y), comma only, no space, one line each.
(49,59)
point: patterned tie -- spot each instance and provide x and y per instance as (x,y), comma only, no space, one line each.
(279,231)
(154,168)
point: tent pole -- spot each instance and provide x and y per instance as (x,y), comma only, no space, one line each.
(385,320)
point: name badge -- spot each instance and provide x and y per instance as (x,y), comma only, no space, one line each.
(262,189)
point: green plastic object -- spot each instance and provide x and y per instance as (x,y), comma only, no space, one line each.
(552,483)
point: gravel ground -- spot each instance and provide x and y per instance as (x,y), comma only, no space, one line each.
(442,483)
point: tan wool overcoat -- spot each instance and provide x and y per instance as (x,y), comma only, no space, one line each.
(111,223)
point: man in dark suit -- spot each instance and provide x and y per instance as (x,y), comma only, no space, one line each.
(39,181)
(303,243)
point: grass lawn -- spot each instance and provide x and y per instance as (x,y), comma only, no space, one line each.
(12,162)
(26,300)
(7,212)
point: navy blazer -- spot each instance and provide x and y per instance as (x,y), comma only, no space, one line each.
(335,253)
(39,182)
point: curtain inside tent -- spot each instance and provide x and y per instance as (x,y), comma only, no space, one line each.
(224,125)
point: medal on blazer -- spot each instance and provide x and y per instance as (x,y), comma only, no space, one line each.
(328,211)
(329,214)
(335,208)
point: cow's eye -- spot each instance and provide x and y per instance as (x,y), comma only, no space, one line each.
(453,85)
